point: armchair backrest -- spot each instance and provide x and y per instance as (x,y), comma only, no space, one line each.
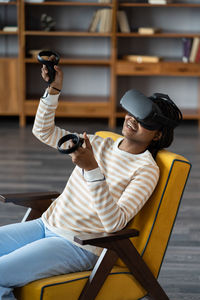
(156,219)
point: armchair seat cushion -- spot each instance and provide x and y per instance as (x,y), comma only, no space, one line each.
(69,286)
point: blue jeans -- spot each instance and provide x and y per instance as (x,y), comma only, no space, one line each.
(29,251)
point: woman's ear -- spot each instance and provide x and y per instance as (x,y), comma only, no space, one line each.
(157,136)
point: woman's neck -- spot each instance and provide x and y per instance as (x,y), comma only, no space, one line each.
(131,147)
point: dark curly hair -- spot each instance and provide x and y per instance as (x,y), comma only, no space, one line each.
(172,112)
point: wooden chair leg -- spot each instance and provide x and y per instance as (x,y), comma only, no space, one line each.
(128,253)
(99,274)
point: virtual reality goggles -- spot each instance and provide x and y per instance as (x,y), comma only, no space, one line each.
(145,110)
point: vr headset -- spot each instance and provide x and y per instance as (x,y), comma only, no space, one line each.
(145,110)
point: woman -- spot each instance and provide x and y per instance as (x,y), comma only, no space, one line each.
(109,185)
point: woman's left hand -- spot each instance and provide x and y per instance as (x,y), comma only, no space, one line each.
(84,156)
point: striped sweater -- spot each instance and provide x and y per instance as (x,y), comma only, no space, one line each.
(101,200)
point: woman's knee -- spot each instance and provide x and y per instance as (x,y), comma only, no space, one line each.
(17,235)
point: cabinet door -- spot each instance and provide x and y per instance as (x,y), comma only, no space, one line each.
(9,103)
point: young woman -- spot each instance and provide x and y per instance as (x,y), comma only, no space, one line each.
(109,185)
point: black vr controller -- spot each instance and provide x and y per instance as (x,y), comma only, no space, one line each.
(77,141)
(49,63)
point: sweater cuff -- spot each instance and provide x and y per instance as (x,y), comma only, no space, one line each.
(50,99)
(93,175)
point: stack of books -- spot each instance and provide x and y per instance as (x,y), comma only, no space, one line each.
(142,58)
(191,50)
(101,21)
(148,30)
(10,28)
(123,21)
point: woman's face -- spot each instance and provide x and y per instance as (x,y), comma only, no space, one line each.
(134,132)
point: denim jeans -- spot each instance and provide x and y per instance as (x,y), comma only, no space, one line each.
(29,251)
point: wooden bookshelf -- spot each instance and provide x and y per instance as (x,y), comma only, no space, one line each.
(111,62)
(74,105)
(167,67)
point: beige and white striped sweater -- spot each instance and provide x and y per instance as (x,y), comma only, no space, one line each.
(97,204)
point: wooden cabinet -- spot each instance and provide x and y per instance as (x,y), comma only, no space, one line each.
(9,58)
(9,95)
(95,71)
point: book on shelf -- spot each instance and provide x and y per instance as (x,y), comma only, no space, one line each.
(101,21)
(10,28)
(142,58)
(34,1)
(148,30)
(123,21)
(104,1)
(159,1)
(105,24)
(187,43)
(197,58)
(95,21)
(194,49)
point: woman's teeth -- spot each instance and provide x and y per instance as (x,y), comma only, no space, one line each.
(130,125)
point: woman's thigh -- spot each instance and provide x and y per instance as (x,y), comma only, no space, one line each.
(43,258)
(15,236)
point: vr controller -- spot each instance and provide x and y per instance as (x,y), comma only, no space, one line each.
(49,63)
(77,141)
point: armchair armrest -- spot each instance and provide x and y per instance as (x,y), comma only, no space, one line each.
(38,200)
(104,238)
(111,242)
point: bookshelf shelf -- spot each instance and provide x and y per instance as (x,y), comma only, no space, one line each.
(160,35)
(174,5)
(70,3)
(67,33)
(8,32)
(75,107)
(77,61)
(9,3)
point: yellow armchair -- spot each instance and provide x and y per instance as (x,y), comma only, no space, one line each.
(131,260)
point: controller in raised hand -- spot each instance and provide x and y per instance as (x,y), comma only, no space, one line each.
(49,59)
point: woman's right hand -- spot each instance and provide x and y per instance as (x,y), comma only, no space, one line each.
(58,81)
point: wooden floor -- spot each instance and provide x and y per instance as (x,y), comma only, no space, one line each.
(27,165)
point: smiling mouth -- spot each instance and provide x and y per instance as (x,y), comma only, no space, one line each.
(131,126)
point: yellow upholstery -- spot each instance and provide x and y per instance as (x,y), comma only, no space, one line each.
(155,222)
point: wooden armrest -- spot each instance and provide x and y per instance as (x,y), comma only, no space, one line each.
(37,200)
(100,238)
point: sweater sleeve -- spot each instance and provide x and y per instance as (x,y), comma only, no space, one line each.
(44,127)
(114,215)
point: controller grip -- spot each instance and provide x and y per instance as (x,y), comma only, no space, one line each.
(51,73)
